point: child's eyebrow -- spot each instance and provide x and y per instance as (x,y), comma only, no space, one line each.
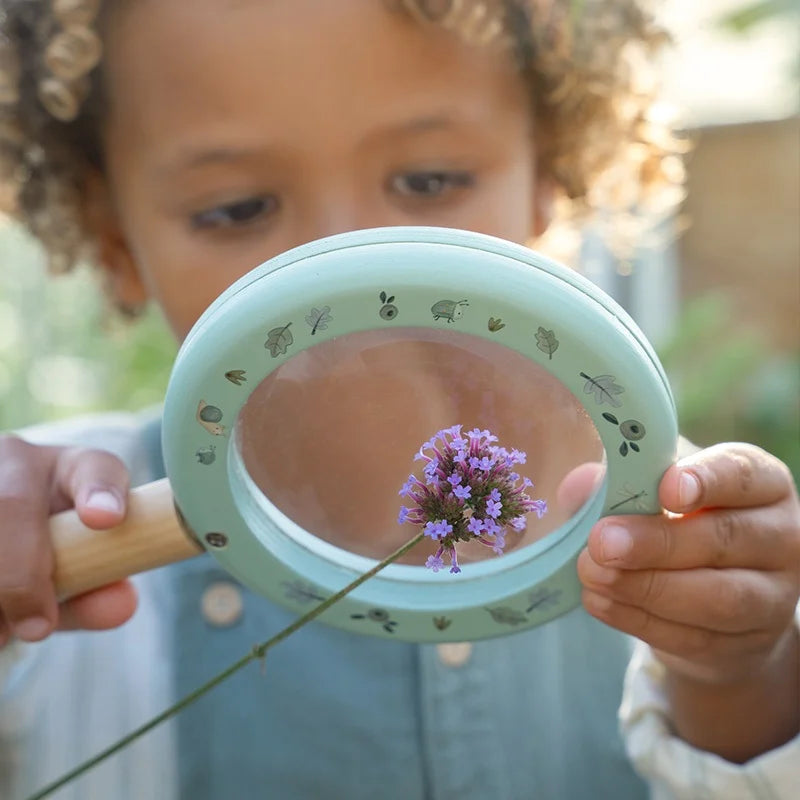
(194,157)
(415,126)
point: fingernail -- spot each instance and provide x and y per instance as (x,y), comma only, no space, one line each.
(688,489)
(103,500)
(32,629)
(615,543)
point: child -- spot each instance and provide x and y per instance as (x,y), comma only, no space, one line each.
(187,142)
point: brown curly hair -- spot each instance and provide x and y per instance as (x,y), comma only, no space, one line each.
(582,59)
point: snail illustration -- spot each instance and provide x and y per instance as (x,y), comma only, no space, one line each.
(450,310)
(209,417)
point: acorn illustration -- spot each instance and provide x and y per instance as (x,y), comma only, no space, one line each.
(206,455)
(209,417)
(388,310)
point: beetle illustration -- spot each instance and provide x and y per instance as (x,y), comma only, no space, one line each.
(450,310)
(209,417)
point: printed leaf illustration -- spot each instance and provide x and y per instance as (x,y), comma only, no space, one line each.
(541,599)
(623,449)
(279,340)
(604,388)
(546,341)
(319,318)
(611,418)
(507,616)
(302,592)
(442,623)
(382,296)
(236,376)
(496,324)
(631,496)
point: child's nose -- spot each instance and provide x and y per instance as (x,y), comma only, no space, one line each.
(340,212)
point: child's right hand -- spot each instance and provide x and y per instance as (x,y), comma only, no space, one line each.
(36,482)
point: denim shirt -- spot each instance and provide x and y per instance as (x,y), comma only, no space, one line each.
(332,715)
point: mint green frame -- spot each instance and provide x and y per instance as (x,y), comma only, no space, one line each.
(601,356)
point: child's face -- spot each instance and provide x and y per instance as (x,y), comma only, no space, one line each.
(238,129)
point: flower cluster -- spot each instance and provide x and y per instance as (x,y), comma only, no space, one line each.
(470,491)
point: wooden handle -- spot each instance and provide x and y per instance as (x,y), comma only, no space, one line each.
(151,536)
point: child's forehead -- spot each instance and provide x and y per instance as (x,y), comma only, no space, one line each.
(297,59)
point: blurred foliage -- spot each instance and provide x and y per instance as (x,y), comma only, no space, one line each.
(729,385)
(744,18)
(63,350)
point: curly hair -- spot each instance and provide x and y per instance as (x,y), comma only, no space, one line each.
(583,61)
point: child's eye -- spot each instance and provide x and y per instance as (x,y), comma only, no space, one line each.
(236,214)
(430,183)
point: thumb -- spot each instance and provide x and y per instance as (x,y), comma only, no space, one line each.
(96,483)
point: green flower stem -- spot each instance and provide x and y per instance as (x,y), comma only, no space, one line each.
(258,652)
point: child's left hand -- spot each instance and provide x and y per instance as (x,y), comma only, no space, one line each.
(712,584)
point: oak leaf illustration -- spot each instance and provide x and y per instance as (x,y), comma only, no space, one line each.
(279,340)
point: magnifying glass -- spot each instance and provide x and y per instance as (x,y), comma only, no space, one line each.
(299,400)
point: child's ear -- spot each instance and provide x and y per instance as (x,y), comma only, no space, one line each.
(113,254)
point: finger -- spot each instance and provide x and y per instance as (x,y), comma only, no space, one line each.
(755,538)
(99,609)
(726,476)
(27,596)
(578,486)
(684,641)
(728,601)
(96,483)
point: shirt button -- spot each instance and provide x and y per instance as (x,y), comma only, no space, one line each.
(454,654)
(222,604)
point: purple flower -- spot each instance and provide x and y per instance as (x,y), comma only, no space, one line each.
(493,508)
(540,507)
(408,486)
(462,492)
(470,492)
(491,526)
(518,456)
(435,562)
(438,529)
(475,525)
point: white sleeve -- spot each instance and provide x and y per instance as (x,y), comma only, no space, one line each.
(678,771)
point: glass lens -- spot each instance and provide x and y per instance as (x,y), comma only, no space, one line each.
(330,437)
